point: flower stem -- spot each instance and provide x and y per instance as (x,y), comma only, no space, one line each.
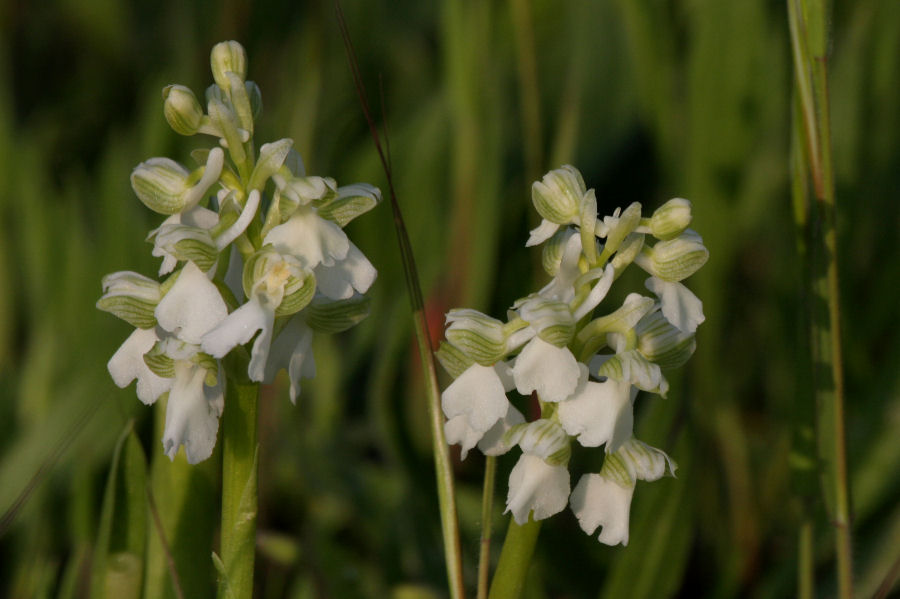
(518,547)
(487,502)
(807,20)
(239,487)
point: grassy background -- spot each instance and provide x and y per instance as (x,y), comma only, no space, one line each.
(649,98)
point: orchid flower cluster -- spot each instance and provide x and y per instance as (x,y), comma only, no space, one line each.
(585,370)
(251,246)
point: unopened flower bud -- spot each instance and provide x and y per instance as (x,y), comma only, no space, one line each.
(228,57)
(182,109)
(663,343)
(671,219)
(166,187)
(557,197)
(132,297)
(675,259)
(480,337)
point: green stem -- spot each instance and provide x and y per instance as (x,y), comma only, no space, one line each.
(518,547)
(239,486)
(487,502)
(806,559)
(808,20)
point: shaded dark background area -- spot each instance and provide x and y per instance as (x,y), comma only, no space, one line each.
(650,99)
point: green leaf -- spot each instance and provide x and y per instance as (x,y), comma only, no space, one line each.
(119,554)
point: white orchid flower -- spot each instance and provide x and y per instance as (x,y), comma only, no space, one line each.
(278,276)
(192,413)
(474,403)
(605,499)
(539,482)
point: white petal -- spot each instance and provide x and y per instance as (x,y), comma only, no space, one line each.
(542,233)
(128,364)
(599,413)
(679,304)
(493,442)
(547,369)
(192,414)
(478,394)
(310,238)
(214,162)
(598,501)
(535,485)
(240,225)
(353,272)
(192,306)
(239,327)
(458,431)
(598,292)
(292,350)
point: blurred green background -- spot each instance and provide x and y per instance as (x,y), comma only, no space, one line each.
(651,99)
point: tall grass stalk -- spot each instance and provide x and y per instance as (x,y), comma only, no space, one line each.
(807,19)
(440,449)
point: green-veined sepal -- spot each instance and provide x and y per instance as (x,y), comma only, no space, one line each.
(328,316)
(131,297)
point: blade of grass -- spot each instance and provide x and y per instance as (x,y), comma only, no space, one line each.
(443,467)
(807,20)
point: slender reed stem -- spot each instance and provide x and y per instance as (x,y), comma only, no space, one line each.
(239,486)
(807,19)
(443,465)
(806,559)
(515,559)
(487,502)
